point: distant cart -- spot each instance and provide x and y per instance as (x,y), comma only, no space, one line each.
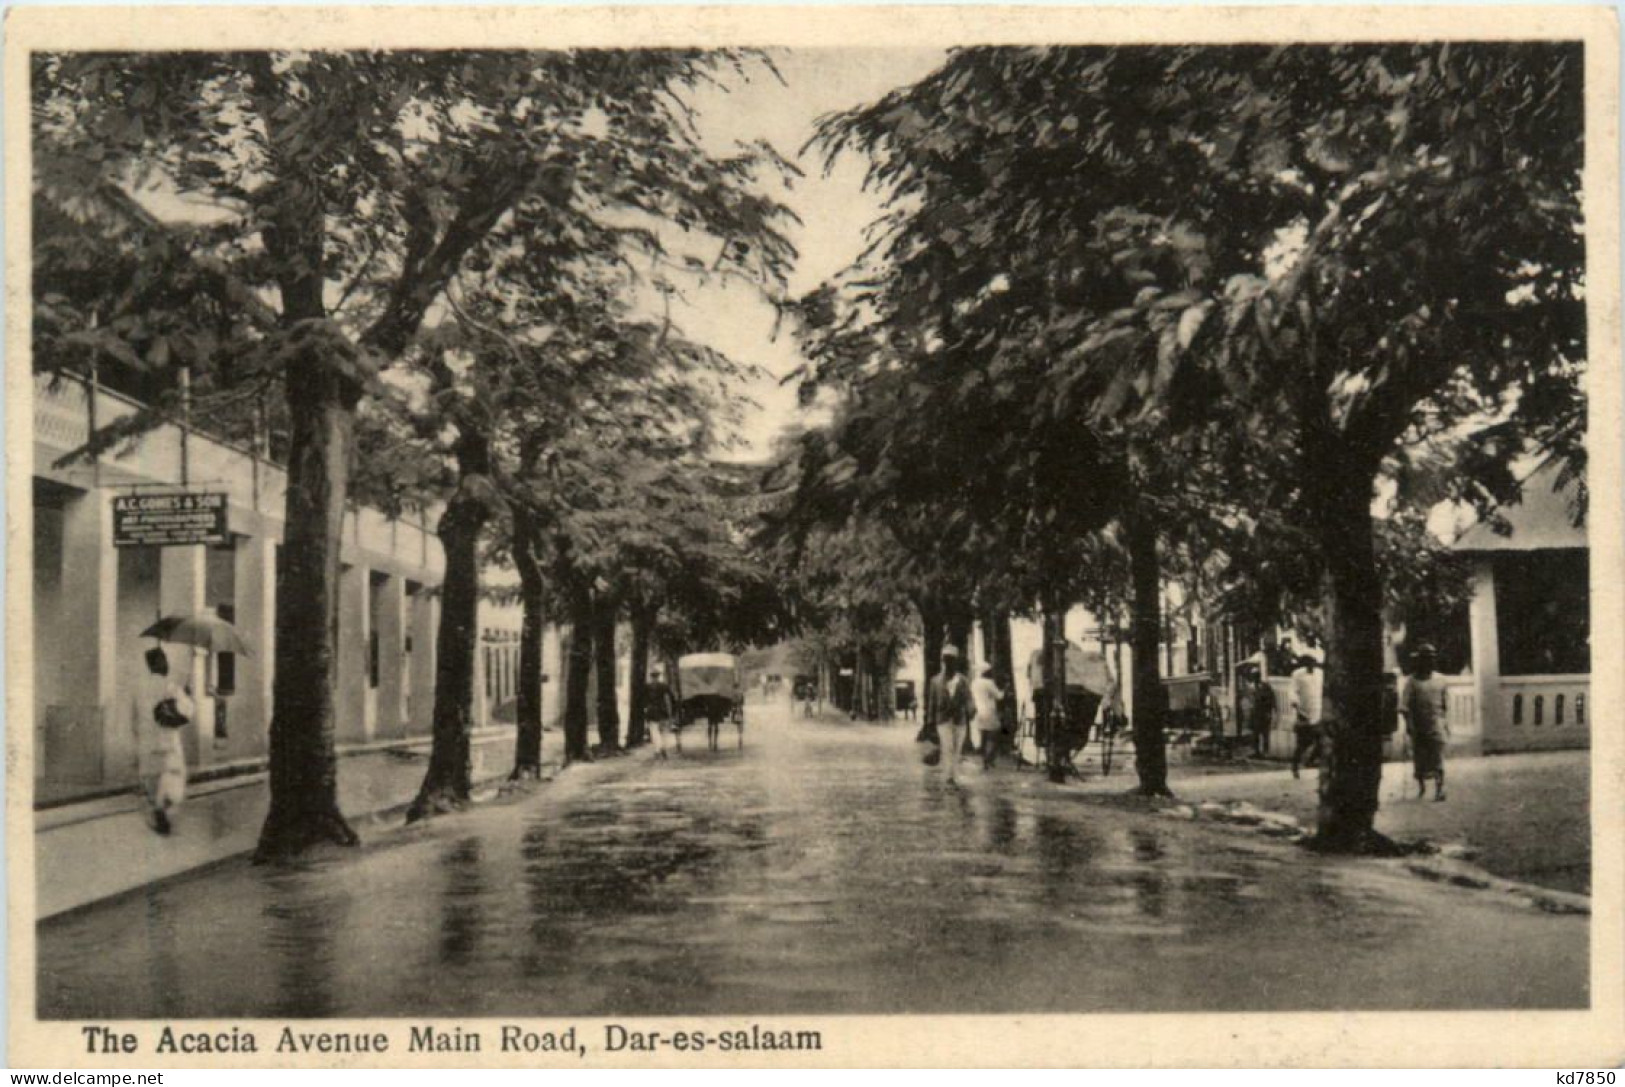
(1195,717)
(710,686)
(1191,712)
(906,698)
(806,693)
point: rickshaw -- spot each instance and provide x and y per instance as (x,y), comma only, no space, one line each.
(905,698)
(805,691)
(710,686)
(1081,718)
(1193,711)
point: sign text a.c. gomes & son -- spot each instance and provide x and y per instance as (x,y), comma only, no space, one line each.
(169,520)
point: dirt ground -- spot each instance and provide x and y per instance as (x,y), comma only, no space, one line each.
(1526,817)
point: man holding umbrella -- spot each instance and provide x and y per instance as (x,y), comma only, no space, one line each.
(163,707)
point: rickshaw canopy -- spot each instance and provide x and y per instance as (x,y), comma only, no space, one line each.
(1084,671)
(709,673)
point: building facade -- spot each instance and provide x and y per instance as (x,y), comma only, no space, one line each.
(1531,622)
(92,600)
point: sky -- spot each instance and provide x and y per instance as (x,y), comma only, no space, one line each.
(833,207)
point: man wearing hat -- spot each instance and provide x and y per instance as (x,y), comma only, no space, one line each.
(1423,705)
(1307,685)
(659,708)
(984,727)
(949,708)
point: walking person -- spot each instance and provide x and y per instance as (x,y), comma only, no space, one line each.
(1261,714)
(1423,705)
(985,726)
(1307,686)
(948,710)
(160,711)
(659,707)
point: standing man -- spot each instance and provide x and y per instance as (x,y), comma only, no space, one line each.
(160,710)
(1261,713)
(1307,683)
(658,708)
(948,709)
(1423,705)
(985,726)
(1099,682)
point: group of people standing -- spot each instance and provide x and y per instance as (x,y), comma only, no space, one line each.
(955,705)
(1420,703)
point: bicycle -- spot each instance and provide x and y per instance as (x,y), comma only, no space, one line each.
(1106,732)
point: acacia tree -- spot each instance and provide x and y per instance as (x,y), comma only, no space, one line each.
(960,442)
(353,187)
(1332,247)
(686,576)
(1431,259)
(989,280)
(623,510)
(1328,248)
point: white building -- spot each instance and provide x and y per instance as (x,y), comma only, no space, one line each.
(1531,623)
(91,600)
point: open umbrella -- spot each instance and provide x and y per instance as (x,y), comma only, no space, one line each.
(203,631)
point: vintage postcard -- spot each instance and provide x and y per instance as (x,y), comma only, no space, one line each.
(766,536)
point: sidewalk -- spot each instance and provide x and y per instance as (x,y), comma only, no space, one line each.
(1527,816)
(90,851)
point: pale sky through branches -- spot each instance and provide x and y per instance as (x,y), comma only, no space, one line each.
(730,316)
(834,210)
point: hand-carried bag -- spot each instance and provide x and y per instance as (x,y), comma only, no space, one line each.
(169,715)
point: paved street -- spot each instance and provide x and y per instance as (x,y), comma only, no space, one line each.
(821,870)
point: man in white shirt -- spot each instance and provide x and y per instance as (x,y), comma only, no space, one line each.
(1307,684)
(984,727)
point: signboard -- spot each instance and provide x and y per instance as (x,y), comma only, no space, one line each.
(168,520)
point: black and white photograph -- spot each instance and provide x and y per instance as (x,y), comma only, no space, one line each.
(535,541)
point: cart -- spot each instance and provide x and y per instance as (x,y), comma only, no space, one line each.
(1083,719)
(905,697)
(710,686)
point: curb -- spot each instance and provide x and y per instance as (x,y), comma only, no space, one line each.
(1438,863)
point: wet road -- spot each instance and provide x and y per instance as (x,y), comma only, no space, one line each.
(821,870)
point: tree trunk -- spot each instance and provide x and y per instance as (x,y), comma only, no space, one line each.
(303,764)
(888,683)
(1150,697)
(603,651)
(637,725)
(960,622)
(578,676)
(866,679)
(997,652)
(527,758)
(446,784)
(1054,632)
(931,647)
(1352,737)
